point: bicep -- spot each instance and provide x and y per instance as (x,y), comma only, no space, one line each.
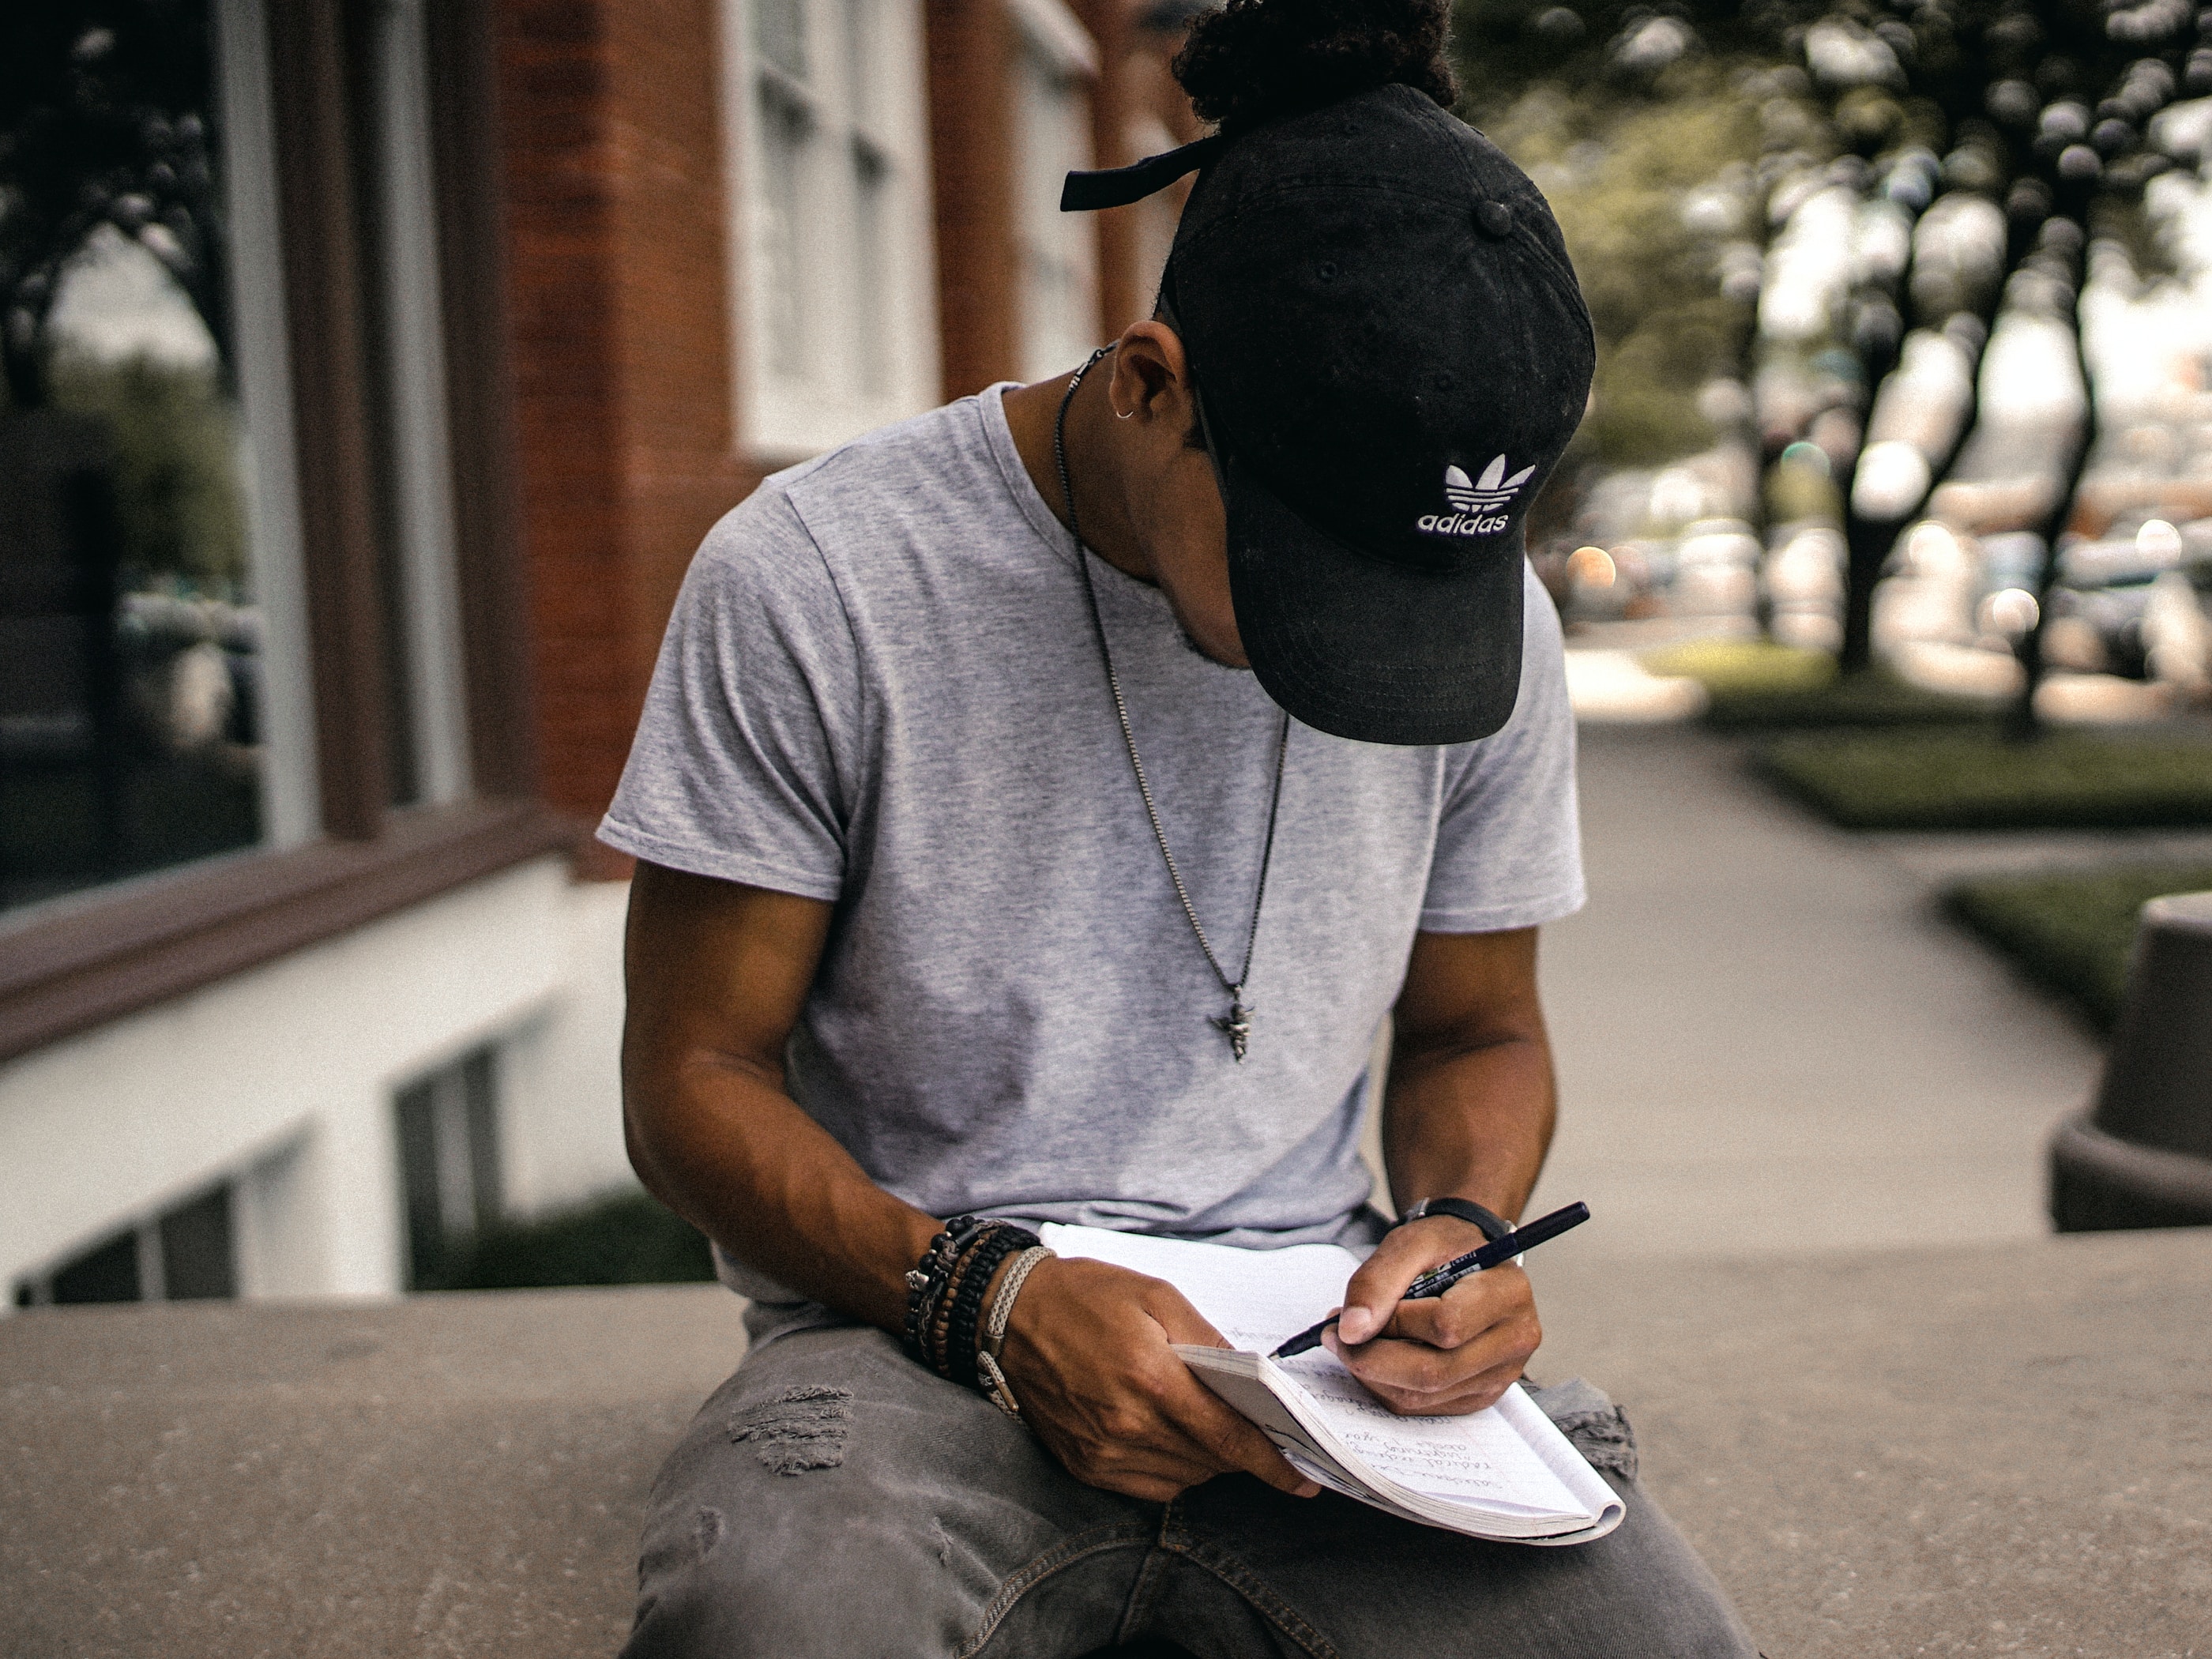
(714,970)
(1469,989)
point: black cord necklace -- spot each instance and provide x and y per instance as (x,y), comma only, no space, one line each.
(1237,1024)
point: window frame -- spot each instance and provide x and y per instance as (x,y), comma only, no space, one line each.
(77,963)
(782,416)
(1049,37)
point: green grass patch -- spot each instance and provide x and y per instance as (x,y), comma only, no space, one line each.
(1780,695)
(2071,933)
(628,1239)
(1745,667)
(1978,781)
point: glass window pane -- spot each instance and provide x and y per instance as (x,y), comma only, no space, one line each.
(449,1163)
(861,95)
(479,1093)
(1058,319)
(130,638)
(872,211)
(416,1111)
(780,34)
(784,128)
(197,1259)
(106,1273)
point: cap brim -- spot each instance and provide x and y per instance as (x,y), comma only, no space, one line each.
(1369,648)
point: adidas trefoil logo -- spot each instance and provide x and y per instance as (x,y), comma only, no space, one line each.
(1475,502)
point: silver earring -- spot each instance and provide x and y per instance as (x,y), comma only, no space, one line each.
(1123,414)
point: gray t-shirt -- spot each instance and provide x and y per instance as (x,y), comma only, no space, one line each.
(881,688)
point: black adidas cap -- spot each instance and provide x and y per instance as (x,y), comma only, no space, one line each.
(1390,352)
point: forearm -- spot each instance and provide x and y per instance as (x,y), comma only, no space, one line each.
(720,1143)
(717,975)
(1471,1120)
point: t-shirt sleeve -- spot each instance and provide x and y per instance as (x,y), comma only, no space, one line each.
(742,768)
(1509,841)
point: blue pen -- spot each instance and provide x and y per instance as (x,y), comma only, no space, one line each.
(1437,1281)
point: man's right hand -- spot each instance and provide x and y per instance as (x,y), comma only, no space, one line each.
(1088,1354)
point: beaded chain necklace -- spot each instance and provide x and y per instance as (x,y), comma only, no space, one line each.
(1237,1024)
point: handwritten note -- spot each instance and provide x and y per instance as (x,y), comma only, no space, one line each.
(1477,1455)
(1257,1297)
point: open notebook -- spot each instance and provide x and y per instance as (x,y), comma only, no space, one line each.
(1505,1472)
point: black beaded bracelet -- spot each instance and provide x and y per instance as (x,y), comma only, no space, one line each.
(963,1339)
(946,1290)
(943,1326)
(926,1282)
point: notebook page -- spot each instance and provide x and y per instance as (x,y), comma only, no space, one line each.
(1257,1297)
(1479,1457)
(1254,1297)
(1559,1453)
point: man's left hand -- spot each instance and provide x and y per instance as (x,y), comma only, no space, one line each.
(1442,1356)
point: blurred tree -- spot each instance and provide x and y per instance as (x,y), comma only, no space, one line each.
(2018,122)
(103,121)
(178,506)
(1617,172)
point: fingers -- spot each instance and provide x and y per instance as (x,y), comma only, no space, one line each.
(1226,1434)
(1405,1254)
(1475,1305)
(1233,1442)
(1089,1357)
(1454,1353)
(1478,1393)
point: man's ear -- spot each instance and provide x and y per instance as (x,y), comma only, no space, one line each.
(1151,376)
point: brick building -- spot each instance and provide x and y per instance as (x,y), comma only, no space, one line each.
(518,297)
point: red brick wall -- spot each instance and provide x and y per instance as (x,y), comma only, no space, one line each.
(619,292)
(620,295)
(971,46)
(1110,25)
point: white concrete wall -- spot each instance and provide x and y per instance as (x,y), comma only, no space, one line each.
(561,1085)
(282,1077)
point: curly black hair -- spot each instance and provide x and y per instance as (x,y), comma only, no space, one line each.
(1254,60)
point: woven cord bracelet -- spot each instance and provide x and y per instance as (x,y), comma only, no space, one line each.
(996,1389)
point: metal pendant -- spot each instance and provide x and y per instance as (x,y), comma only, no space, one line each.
(1237,1024)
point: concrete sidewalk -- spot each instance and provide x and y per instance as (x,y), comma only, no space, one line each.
(1768,1041)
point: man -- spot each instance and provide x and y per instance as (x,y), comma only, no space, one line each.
(978,874)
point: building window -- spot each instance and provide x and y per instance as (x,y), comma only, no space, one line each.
(396,215)
(835,319)
(186,1254)
(1058,251)
(155,700)
(134,645)
(448,1125)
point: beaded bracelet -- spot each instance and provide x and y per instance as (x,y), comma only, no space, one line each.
(937,1337)
(925,1283)
(963,1333)
(946,1290)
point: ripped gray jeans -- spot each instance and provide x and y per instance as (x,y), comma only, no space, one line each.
(834,1500)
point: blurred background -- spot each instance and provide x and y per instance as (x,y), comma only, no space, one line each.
(373,369)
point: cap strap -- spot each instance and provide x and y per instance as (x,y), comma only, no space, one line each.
(1087,192)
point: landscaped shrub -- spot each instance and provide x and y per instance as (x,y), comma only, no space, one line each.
(2074,931)
(1973,779)
(628,1239)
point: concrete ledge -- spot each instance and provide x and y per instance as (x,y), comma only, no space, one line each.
(2002,1449)
(452,1474)
(1977,1450)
